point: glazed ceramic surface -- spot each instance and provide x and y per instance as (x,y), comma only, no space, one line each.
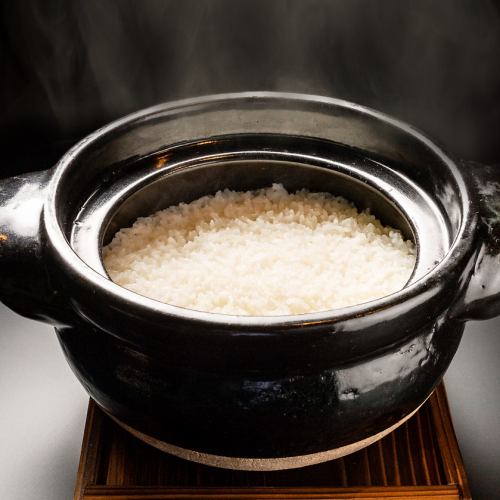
(253,392)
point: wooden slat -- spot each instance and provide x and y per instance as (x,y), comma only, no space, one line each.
(447,459)
(410,455)
(381,461)
(366,466)
(433,454)
(371,493)
(444,417)
(343,472)
(395,462)
(90,456)
(424,449)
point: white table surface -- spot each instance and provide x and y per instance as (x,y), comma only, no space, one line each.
(43,407)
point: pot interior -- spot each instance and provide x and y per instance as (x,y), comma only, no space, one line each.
(242,162)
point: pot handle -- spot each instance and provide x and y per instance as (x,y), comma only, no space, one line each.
(482,297)
(25,283)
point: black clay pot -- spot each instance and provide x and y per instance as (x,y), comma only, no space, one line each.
(253,392)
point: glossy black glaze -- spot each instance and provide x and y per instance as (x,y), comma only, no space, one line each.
(261,387)
(482,298)
(266,413)
(25,280)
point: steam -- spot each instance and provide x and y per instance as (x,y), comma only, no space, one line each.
(430,63)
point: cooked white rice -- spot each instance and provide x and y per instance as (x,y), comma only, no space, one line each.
(265,252)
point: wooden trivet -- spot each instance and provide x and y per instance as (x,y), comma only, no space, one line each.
(420,459)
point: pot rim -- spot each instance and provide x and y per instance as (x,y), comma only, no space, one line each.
(58,241)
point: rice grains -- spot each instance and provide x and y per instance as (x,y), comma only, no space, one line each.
(258,253)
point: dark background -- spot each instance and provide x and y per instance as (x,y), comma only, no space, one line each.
(67,68)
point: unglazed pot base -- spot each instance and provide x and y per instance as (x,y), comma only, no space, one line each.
(261,464)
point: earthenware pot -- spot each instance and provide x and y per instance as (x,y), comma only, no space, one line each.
(253,392)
